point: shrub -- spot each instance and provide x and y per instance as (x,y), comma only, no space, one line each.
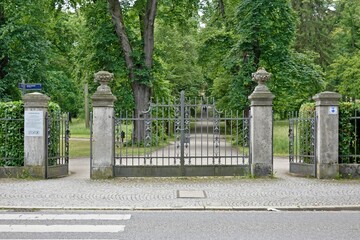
(12,132)
(349,130)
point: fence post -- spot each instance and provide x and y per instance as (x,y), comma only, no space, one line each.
(327,143)
(261,126)
(103,128)
(35,149)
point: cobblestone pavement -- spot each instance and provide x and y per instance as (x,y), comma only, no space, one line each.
(78,191)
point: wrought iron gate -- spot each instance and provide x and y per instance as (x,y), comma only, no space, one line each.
(57,145)
(302,144)
(182,138)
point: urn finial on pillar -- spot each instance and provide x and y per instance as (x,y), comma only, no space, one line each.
(103,77)
(260,77)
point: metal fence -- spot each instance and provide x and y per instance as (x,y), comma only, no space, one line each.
(302,143)
(182,138)
(57,142)
(349,147)
(11,142)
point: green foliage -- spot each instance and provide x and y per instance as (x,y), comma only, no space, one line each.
(316,21)
(12,132)
(295,81)
(55,126)
(23,44)
(348,130)
(98,49)
(349,133)
(176,55)
(305,130)
(265,30)
(344,75)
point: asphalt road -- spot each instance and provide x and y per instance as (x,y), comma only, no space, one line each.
(179,225)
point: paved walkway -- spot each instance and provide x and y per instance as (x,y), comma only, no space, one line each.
(78,191)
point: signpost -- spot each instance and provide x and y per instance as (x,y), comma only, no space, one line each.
(30,87)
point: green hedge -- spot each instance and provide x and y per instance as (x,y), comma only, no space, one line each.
(348,134)
(12,132)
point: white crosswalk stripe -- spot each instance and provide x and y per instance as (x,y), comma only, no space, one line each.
(30,223)
(62,228)
(65,216)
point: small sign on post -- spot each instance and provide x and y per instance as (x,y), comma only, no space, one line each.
(34,123)
(333,110)
(30,86)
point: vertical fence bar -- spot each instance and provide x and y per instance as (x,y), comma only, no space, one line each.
(47,142)
(91,143)
(182,131)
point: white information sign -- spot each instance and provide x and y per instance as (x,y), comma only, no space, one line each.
(333,110)
(34,123)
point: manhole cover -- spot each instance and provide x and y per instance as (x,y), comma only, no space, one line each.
(190,194)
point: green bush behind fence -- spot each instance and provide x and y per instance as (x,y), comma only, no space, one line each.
(12,132)
(349,130)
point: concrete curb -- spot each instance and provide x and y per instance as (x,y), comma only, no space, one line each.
(190,208)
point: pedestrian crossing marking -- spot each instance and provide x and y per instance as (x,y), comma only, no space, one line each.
(62,228)
(50,217)
(37,223)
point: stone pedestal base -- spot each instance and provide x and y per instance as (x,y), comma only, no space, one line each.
(102,173)
(261,169)
(327,170)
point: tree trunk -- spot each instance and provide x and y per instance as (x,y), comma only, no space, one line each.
(149,22)
(222,8)
(140,83)
(142,98)
(116,14)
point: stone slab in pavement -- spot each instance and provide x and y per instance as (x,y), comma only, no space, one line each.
(77,191)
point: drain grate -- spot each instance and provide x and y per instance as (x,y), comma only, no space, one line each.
(191,194)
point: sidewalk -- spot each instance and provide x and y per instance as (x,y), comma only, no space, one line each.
(77,191)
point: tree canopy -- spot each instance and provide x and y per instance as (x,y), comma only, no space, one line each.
(158,48)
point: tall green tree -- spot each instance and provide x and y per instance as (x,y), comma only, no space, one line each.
(316,22)
(266,32)
(343,74)
(176,54)
(264,36)
(23,44)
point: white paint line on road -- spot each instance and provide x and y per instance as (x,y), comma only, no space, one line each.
(62,228)
(65,216)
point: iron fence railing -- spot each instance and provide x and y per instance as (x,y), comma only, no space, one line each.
(183,133)
(349,142)
(302,138)
(57,139)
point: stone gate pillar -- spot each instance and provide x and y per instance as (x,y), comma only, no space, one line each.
(103,128)
(35,110)
(261,126)
(327,134)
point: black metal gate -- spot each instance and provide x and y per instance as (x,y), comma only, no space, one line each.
(182,138)
(57,145)
(302,144)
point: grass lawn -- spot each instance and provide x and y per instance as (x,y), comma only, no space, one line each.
(78,129)
(281,139)
(79,147)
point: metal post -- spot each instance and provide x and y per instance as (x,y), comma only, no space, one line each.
(182,130)
(91,142)
(47,138)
